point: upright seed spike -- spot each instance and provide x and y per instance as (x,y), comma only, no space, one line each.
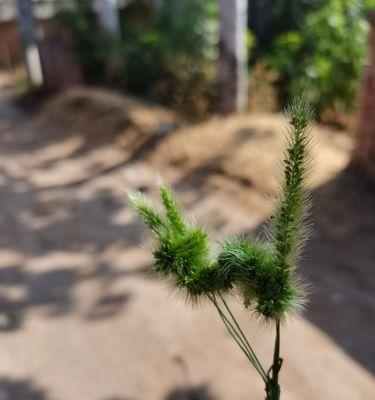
(173,212)
(147,213)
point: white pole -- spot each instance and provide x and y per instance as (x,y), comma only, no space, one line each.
(108,17)
(28,31)
(232,69)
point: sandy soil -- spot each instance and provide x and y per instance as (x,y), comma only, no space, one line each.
(82,318)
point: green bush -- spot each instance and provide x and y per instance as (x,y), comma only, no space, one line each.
(169,53)
(325,58)
(270,18)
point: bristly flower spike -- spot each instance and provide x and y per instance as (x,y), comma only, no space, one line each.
(289,230)
(263,273)
(149,216)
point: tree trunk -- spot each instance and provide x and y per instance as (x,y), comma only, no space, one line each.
(28,32)
(232,69)
(108,17)
(363,159)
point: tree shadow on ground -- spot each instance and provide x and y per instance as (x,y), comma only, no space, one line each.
(193,392)
(44,229)
(200,392)
(14,389)
(339,263)
(25,389)
(48,231)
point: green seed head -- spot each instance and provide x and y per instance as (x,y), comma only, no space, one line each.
(262,273)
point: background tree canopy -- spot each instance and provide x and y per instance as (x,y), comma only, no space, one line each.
(313,46)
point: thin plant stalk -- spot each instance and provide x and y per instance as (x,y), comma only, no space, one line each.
(262,273)
(242,334)
(236,332)
(271,378)
(272,386)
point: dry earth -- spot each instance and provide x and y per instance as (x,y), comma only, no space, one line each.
(82,318)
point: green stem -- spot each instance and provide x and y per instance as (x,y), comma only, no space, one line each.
(240,339)
(276,355)
(271,378)
(241,344)
(243,335)
(272,385)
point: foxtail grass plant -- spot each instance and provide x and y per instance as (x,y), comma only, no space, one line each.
(262,273)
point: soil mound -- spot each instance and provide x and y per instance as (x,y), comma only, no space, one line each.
(102,115)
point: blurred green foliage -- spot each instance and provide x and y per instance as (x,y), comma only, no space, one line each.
(92,47)
(369,4)
(165,53)
(325,58)
(270,18)
(170,53)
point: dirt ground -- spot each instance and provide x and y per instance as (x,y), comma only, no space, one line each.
(81,316)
